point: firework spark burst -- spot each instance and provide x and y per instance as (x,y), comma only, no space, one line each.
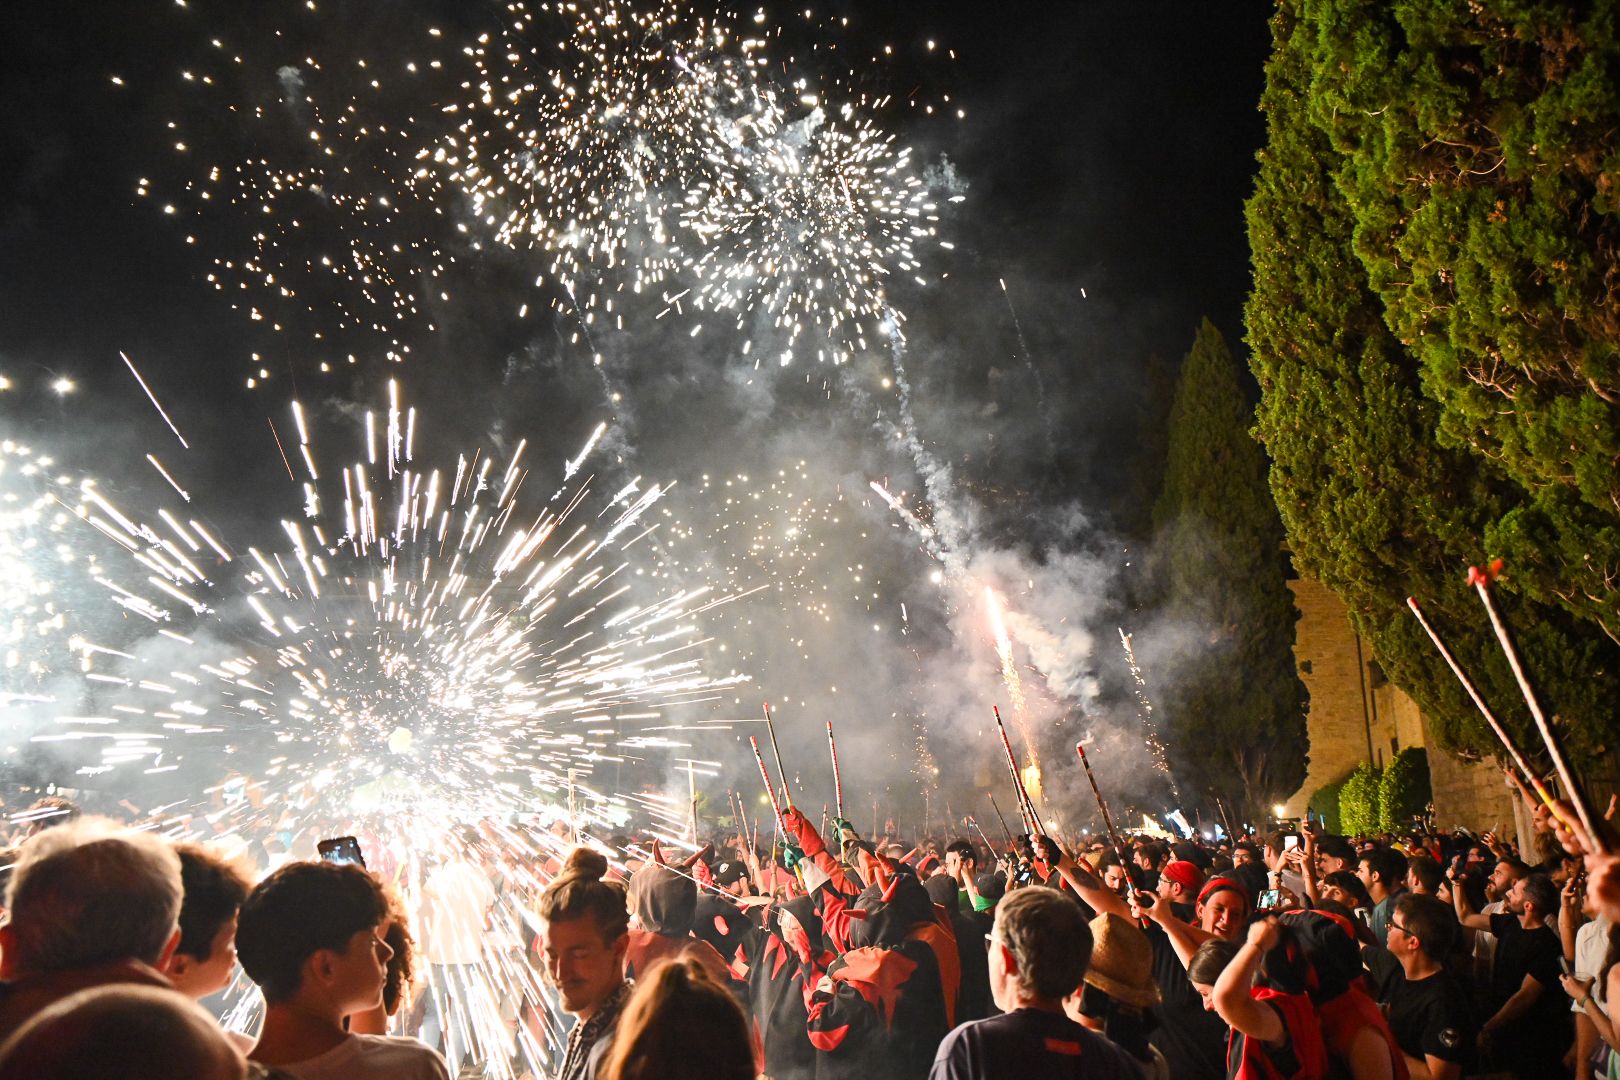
(636,149)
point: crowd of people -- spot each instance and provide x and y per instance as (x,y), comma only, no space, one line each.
(1292,953)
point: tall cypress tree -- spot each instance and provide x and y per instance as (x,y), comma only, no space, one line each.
(1478,151)
(1235,704)
(1379,501)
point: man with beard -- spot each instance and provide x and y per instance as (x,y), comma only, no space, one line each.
(584,936)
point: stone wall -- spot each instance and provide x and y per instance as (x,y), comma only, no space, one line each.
(1347,718)
(1348,711)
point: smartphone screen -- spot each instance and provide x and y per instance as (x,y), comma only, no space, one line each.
(1290,843)
(1270,900)
(341,849)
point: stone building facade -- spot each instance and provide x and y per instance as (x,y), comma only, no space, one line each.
(1357,715)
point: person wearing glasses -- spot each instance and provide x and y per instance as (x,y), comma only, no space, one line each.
(1430,1009)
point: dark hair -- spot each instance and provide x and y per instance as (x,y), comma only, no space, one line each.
(1345,881)
(401,965)
(1429,920)
(1247,845)
(1211,958)
(1336,847)
(963,849)
(49,811)
(1386,864)
(213,889)
(1277,839)
(1517,867)
(1048,936)
(1126,1026)
(578,892)
(1427,871)
(299,910)
(680,1024)
(1540,891)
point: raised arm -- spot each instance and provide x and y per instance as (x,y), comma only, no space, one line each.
(1232,1000)
(1466,915)
(1087,886)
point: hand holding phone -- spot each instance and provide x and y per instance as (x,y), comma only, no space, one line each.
(341,849)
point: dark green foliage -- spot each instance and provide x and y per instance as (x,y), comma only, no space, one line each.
(1236,707)
(1324,804)
(1358,801)
(1479,145)
(1403,790)
(1381,493)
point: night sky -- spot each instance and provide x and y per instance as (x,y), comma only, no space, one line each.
(1107,148)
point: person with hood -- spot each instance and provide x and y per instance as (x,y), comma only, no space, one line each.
(663,904)
(835,889)
(880,1008)
(1261,993)
(973,994)
(782,962)
(1358,1038)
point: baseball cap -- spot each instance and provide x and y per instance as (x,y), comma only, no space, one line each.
(1185,874)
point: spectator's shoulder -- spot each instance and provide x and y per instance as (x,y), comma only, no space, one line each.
(401,1056)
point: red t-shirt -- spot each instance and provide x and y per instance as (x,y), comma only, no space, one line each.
(1345,1016)
(1302,1056)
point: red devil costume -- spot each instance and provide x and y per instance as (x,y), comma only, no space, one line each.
(782,962)
(880,1009)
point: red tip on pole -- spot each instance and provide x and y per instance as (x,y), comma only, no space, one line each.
(1080,748)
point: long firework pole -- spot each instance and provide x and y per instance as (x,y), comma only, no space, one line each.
(1026,808)
(838,781)
(990,849)
(1481,580)
(1227,820)
(573,812)
(776,751)
(1011,843)
(1108,819)
(1479,702)
(765,776)
(691,799)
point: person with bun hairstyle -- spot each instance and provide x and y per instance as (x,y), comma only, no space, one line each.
(680,1024)
(584,934)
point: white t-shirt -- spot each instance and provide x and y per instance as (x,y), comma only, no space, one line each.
(364,1057)
(1591,949)
(1485,941)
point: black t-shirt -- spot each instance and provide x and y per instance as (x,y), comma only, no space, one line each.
(1545,1031)
(1030,1044)
(1521,952)
(1432,1017)
(1191,1038)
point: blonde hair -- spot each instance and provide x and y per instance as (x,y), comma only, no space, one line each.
(680,1024)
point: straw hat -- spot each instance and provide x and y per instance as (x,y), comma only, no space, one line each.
(1122,962)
